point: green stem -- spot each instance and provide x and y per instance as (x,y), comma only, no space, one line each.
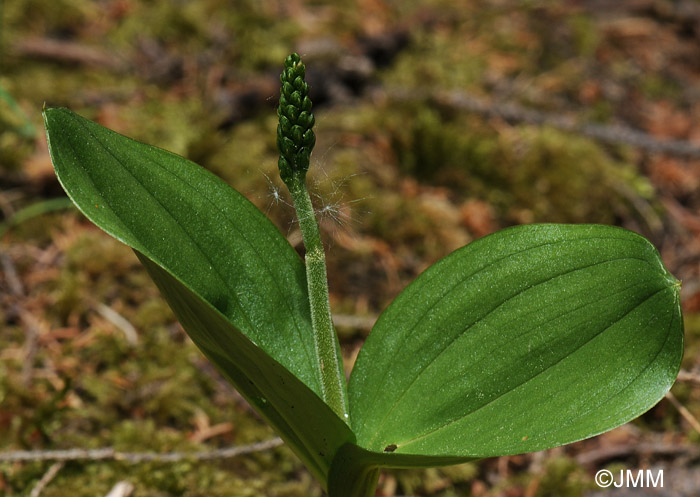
(354,473)
(325,339)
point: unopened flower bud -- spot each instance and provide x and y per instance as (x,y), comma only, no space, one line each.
(295,138)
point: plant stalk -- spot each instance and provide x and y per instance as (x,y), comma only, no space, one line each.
(353,473)
(325,339)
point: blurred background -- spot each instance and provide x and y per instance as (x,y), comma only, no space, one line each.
(438,122)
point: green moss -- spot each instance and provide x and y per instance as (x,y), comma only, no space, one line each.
(431,60)
(657,86)
(247,153)
(563,477)
(14,149)
(530,174)
(399,172)
(585,34)
(443,482)
(56,17)
(185,126)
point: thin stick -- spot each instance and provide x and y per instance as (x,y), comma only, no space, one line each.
(356,322)
(597,456)
(109,454)
(46,479)
(689,376)
(121,489)
(13,281)
(67,52)
(692,420)
(130,333)
(31,345)
(32,326)
(616,134)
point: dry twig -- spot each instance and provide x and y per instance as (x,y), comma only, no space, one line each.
(597,456)
(687,415)
(31,324)
(46,479)
(108,453)
(689,376)
(510,112)
(10,272)
(121,489)
(130,333)
(355,322)
(67,52)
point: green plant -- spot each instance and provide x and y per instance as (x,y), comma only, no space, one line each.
(22,125)
(530,338)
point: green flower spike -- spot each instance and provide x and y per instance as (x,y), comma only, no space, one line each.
(295,138)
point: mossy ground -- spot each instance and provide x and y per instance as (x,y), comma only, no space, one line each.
(399,183)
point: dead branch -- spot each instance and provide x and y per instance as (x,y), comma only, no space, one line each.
(109,454)
(687,415)
(615,134)
(32,326)
(689,376)
(46,479)
(121,489)
(598,456)
(13,281)
(355,322)
(67,52)
(130,333)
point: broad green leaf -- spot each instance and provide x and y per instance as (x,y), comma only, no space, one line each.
(230,276)
(306,423)
(530,338)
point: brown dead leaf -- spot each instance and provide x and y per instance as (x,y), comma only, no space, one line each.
(479,488)
(630,28)
(663,119)
(478,217)
(210,432)
(673,175)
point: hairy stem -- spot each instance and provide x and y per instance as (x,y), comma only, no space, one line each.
(325,339)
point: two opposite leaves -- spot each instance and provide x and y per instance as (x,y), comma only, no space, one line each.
(529,338)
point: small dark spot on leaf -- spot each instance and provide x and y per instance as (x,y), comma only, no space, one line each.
(390,448)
